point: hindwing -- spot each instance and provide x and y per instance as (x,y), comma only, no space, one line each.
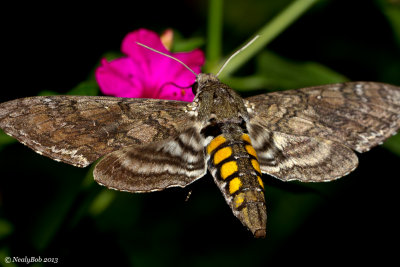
(305,158)
(173,162)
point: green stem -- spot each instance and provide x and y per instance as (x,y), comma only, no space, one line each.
(267,34)
(214,38)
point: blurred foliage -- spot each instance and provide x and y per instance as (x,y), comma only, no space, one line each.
(278,73)
(186,44)
(6,228)
(5,139)
(50,209)
(391,9)
(393,144)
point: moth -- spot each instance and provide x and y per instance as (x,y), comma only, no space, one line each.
(147,145)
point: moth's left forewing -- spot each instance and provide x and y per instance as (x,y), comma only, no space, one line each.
(80,129)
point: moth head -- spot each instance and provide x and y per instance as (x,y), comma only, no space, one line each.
(203,79)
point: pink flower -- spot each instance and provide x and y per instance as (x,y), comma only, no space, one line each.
(146,74)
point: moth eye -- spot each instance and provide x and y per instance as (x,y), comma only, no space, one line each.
(195,88)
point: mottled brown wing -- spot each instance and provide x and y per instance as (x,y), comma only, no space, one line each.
(80,129)
(297,157)
(360,115)
(175,162)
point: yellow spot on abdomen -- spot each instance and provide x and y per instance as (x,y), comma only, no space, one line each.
(215,143)
(246,138)
(228,168)
(251,151)
(256,166)
(234,185)
(260,182)
(222,154)
(239,198)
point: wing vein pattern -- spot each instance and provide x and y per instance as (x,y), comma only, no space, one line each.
(308,134)
(80,129)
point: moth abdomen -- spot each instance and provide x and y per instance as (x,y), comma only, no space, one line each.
(233,162)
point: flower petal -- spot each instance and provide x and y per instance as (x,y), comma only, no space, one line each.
(172,92)
(149,38)
(144,73)
(119,78)
(194,59)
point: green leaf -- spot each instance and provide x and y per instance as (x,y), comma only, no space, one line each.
(214,32)
(52,215)
(111,56)
(101,202)
(393,144)
(286,73)
(6,228)
(391,10)
(47,93)
(182,44)
(88,87)
(5,139)
(277,73)
(267,33)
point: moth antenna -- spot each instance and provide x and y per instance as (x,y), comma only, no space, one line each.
(237,52)
(174,58)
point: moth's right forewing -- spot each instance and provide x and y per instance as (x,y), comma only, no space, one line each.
(175,162)
(360,115)
(80,129)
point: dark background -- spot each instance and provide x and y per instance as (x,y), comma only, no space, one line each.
(46,205)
